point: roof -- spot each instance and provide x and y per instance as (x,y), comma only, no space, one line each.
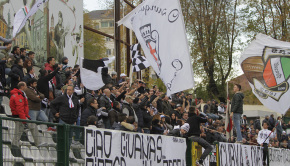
(101,14)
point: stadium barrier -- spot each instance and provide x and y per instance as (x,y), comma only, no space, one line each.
(65,146)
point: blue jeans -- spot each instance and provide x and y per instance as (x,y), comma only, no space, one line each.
(212,116)
(237,122)
(70,132)
(38,115)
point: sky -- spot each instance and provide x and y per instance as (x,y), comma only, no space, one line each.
(95,4)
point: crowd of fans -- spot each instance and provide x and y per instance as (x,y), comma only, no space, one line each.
(58,95)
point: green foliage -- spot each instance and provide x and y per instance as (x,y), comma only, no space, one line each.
(94,44)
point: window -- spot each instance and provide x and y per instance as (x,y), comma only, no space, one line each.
(104,24)
(97,26)
(111,23)
(108,39)
(108,51)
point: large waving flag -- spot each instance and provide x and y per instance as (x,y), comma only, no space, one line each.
(266,64)
(23,14)
(159,27)
(94,74)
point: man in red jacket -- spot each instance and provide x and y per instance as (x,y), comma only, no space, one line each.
(19,108)
(49,66)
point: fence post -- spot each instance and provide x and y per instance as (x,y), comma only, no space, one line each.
(63,145)
(1,144)
(188,152)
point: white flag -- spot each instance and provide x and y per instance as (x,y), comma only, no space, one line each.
(159,27)
(19,17)
(92,74)
(22,16)
(266,64)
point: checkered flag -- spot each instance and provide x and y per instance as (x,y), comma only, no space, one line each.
(139,62)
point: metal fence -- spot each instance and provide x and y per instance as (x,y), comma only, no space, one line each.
(35,143)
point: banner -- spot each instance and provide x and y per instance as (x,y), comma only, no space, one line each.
(266,65)
(111,147)
(159,28)
(240,155)
(35,7)
(279,156)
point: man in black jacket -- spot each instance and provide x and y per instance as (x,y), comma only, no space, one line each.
(16,73)
(92,106)
(194,132)
(66,107)
(106,102)
(237,110)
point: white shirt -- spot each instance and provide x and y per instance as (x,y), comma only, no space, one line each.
(263,134)
(221,109)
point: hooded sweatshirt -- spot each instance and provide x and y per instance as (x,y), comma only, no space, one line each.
(237,103)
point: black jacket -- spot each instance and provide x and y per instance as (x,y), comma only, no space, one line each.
(105,102)
(194,124)
(147,118)
(42,83)
(237,103)
(86,113)
(26,77)
(139,112)
(175,133)
(16,73)
(2,72)
(156,128)
(61,105)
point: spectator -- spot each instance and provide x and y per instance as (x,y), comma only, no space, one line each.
(123,78)
(271,122)
(49,66)
(173,119)
(92,109)
(30,74)
(66,107)
(138,103)
(180,132)
(165,121)
(16,73)
(92,121)
(64,62)
(279,128)
(34,101)
(237,110)
(30,57)
(244,120)
(127,107)
(263,140)
(113,114)
(23,54)
(206,107)
(221,108)
(114,78)
(106,102)
(5,54)
(194,132)
(257,124)
(157,127)
(266,119)
(19,108)
(43,81)
(166,105)
(185,116)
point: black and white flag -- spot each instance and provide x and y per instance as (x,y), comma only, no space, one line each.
(139,62)
(159,28)
(94,73)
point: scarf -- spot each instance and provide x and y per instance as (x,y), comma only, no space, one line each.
(71,104)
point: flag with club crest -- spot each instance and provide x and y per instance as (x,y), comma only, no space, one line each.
(139,62)
(160,30)
(266,64)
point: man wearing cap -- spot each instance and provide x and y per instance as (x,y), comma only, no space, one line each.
(178,111)
(127,107)
(123,78)
(221,108)
(180,132)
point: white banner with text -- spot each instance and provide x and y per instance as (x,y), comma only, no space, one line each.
(120,148)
